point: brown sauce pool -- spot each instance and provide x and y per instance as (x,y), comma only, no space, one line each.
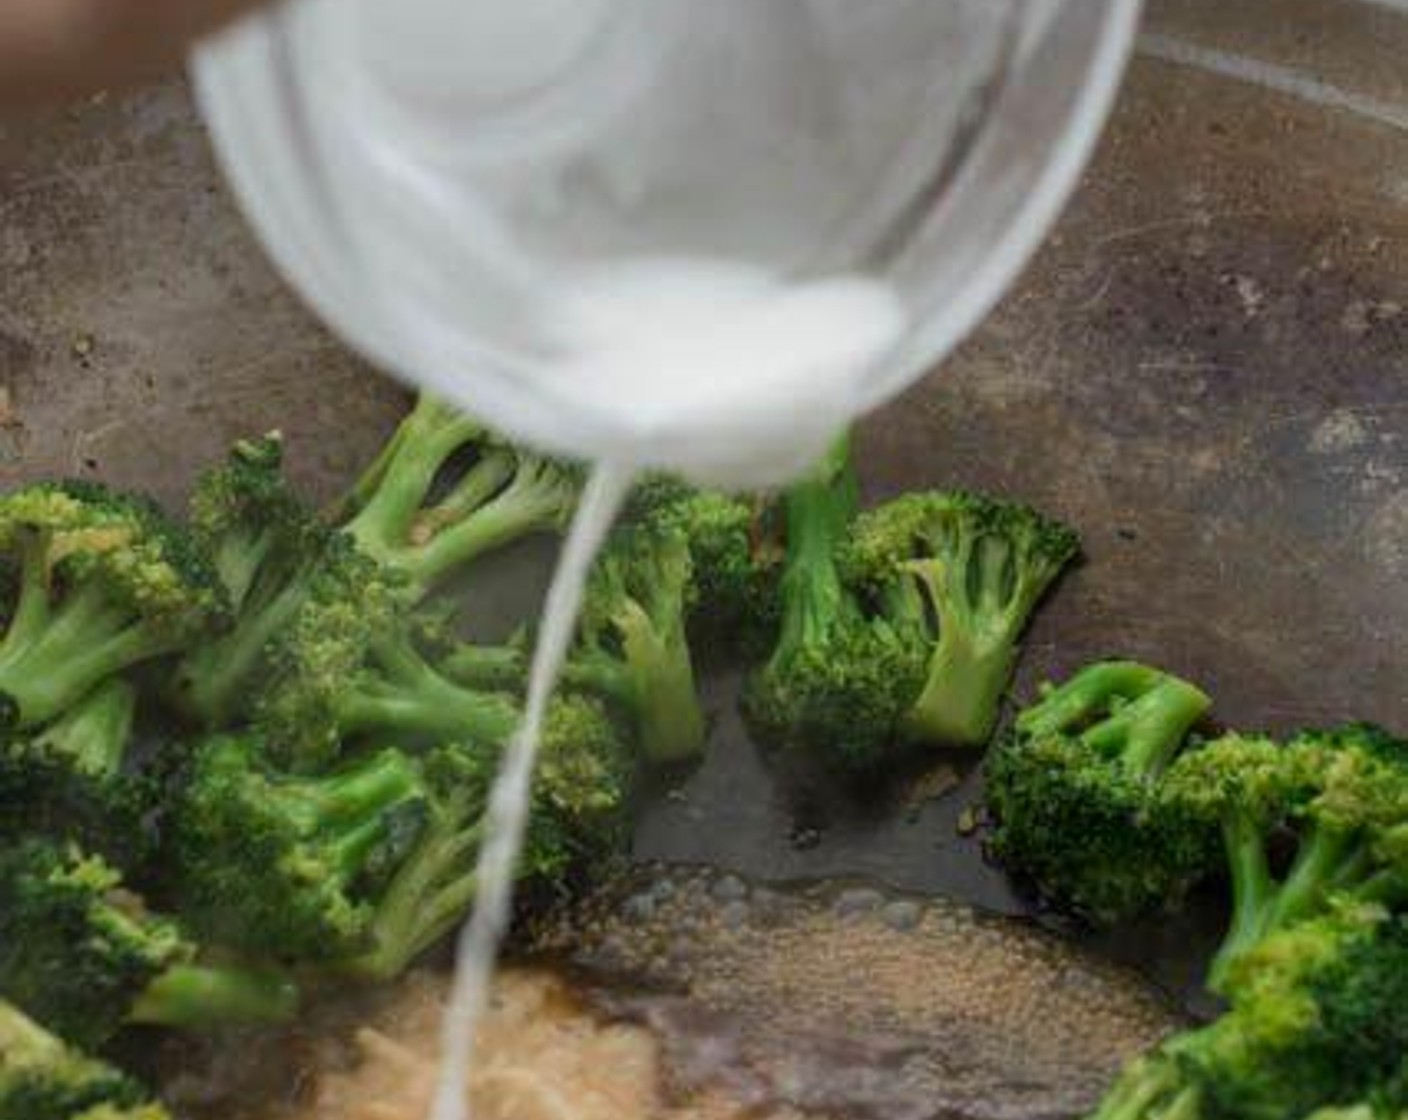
(686,994)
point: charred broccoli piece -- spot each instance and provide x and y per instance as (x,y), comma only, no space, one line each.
(43,1078)
(1341,795)
(83,955)
(103,581)
(966,572)
(632,648)
(837,682)
(1318,1019)
(1076,789)
(75,780)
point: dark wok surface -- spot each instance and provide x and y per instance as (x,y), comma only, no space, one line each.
(1206,371)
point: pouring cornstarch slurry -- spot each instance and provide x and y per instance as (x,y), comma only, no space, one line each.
(750,378)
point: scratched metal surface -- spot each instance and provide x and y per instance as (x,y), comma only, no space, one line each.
(1205,371)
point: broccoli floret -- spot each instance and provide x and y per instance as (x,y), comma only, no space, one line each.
(837,682)
(579,793)
(390,546)
(734,563)
(73,780)
(1076,791)
(1319,1018)
(632,648)
(967,571)
(103,581)
(325,647)
(353,671)
(504,495)
(83,955)
(288,866)
(42,1078)
(1341,795)
(395,544)
(266,548)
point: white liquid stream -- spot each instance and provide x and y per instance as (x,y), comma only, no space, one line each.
(732,373)
(719,367)
(507,818)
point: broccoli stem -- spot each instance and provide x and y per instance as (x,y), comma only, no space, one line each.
(1150,1089)
(816,512)
(94,733)
(479,484)
(202,997)
(1187,1105)
(238,558)
(415,697)
(669,720)
(968,670)
(1326,858)
(1148,731)
(500,668)
(1123,710)
(389,497)
(85,640)
(215,677)
(1253,890)
(424,902)
(345,801)
(1141,1086)
(31,613)
(1090,692)
(532,499)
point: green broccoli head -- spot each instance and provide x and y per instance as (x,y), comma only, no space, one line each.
(967,571)
(396,517)
(266,547)
(1318,1019)
(73,779)
(350,603)
(837,682)
(1340,795)
(103,581)
(355,673)
(244,514)
(290,866)
(1076,789)
(75,948)
(581,785)
(42,1078)
(633,649)
(579,793)
(83,954)
(734,566)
